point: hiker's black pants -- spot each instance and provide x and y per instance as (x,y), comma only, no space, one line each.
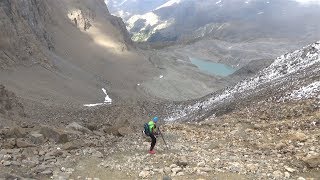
(153,141)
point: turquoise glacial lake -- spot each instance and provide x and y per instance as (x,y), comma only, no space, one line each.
(212,68)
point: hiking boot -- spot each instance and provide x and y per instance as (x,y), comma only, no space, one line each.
(152,152)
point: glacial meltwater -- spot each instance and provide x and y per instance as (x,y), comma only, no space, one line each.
(212,68)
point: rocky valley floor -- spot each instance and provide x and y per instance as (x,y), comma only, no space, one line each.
(240,145)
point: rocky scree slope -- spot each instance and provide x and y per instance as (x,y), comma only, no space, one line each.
(233,20)
(23,35)
(10,107)
(287,75)
(50,50)
(251,143)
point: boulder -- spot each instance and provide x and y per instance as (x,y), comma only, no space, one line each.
(298,136)
(277,174)
(9,143)
(57,135)
(313,161)
(201,164)
(176,170)
(15,132)
(92,126)
(36,138)
(22,143)
(124,131)
(166,178)
(144,174)
(77,127)
(73,145)
(182,162)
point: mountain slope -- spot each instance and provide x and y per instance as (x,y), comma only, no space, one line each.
(287,75)
(64,52)
(236,20)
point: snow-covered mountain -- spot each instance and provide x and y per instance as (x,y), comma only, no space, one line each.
(293,76)
(128,8)
(224,19)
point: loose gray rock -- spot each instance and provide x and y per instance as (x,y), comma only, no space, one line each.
(77,127)
(36,138)
(59,136)
(22,143)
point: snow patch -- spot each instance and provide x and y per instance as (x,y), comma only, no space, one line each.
(312,90)
(161,76)
(168,4)
(218,2)
(107,100)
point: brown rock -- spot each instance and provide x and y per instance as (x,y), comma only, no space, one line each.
(312,161)
(298,136)
(9,143)
(59,136)
(21,143)
(280,146)
(15,132)
(73,145)
(77,127)
(124,131)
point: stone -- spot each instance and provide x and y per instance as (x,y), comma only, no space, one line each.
(277,174)
(173,166)
(205,169)
(201,164)
(73,145)
(280,146)
(160,171)
(77,127)
(55,153)
(56,135)
(9,143)
(7,163)
(182,162)
(176,169)
(313,161)
(98,154)
(301,178)
(252,167)
(180,174)
(124,131)
(144,174)
(21,143)
(167,170)
(47,172)
(166,178)
(36,138)
(289,169)
(46,158)
(298,136)
(286,175)
(15,132)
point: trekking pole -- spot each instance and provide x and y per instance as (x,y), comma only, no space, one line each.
(163,139)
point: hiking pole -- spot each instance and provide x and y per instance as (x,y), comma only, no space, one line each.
(163,138)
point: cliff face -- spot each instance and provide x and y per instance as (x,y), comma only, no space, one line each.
(55,48)
(9,104)
(23,33)
(26,27)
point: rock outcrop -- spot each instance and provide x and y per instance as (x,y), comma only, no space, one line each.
(9,104)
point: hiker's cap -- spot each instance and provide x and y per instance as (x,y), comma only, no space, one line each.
(155,119)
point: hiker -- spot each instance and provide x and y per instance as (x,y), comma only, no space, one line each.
(152,133)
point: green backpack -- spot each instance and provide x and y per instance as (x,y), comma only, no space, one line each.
(146,129)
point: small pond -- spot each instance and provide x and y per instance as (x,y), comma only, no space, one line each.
(212,68)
